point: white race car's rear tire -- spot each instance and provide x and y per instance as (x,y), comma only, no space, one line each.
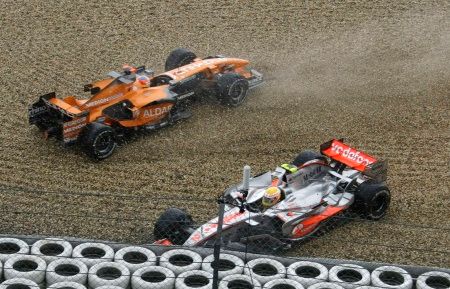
(228,265)
(93,253)
(265,270)
(349,276)
(307,273)
(66,270)
(433,280)
(283,283)
(180,260)
(19,283)
(10,246)
(239,281)
(194,279)
(391,277)
(108,273)
(135,257)
(66,285)
(153,277)
(25,266)
(51,249)
(325,285)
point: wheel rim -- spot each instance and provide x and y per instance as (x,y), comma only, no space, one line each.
(104,143)
(379,204)
(237,92)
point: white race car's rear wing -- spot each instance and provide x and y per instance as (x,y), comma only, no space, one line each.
(352,158)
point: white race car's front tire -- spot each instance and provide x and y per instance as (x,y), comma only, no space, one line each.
(135,257)
(307,273)
(433,280)
(21,283)
(51,249)
(239,281)
(93,253)
(108,273)
(25,266)
(153,277)
(66,285)
(194,279)
(325,285)
(180,260)
(349,276)
(283,283)
(228,265)
(265,270)
(11,246)
(391,277)
(66,270)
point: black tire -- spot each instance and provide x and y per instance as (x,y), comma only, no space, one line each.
(372,201)
(307,156)
(98,140)
(174,224)
(178,58)
(232,89)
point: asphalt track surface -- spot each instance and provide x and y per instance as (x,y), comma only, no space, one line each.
(373,72)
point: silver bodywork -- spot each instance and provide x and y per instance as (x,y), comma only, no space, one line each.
(308,192)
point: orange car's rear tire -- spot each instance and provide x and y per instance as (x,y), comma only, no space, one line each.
(98,140)
(178,58)
(232,89)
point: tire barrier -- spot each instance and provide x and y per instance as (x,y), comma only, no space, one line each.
(67,285)
(307,273)
(108,273)
(153,277)
(51,249)
(93,253)
(109,287)
(239,281)
(265,270)
(228,265)
(194,279)
(66,270)
(10,246)
(283,284)
(25,266)
(19,283)
(349,276)
(433,280)
(391,277)
(135,257)
(180,260)
(325,285)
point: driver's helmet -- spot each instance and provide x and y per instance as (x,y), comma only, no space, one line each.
(143,80)
(272,196)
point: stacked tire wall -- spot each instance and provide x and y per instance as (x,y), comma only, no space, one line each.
(56,263)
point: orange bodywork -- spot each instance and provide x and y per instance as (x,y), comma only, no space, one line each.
(142,104)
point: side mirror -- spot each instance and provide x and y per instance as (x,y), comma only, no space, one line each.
(95,90)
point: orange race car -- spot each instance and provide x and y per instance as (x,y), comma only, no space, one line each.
(137,99)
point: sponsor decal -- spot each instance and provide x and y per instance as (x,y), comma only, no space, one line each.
(72,129)
(37,111)
(192,66)
(104,100)
(151,112)
(351,154)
